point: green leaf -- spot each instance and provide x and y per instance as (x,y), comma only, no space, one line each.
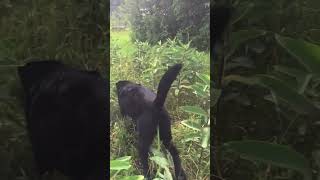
(205,137)
(192,125)
(240,62)
(241,79)
(199,90)
(138,177)
(239,37)
(124,158)
(306,53)
(120,164)
(162,162)
(297,101)
(204,77)
(195,110)
(244,10)
(288,95)
(167,174)
(303,78)
(278,155)
(293,72)
(191,137)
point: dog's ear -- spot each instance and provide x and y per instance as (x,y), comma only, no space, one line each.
(34,71)
(121,84)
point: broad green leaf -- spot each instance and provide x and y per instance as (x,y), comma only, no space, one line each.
(162,162)
(138,177)
(124,158)
(240,62)
(199,90)
(167,174)
(239,37)
(119,164)
(204,77)
(297,101)
(241,79)
(288,95)
(192,125)
(205,137)
(303,78)
(195,110)
(306,53)
(278,155)
(293,72)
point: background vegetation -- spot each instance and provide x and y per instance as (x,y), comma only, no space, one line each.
(268,113)
(73,31)
(142,56)
(154,21)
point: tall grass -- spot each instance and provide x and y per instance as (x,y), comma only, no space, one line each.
(143,63)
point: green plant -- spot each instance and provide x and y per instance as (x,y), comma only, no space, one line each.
(119,164)
(267,96)
(289,96)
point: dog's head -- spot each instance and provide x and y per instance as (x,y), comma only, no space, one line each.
(129,98)
(129,90)
(34,71)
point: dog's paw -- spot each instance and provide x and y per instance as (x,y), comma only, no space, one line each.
(182,176)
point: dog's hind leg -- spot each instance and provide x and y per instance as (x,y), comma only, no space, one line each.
(179,172)
(143,154)
(166,138)
(146,132)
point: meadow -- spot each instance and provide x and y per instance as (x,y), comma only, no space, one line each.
(188,103)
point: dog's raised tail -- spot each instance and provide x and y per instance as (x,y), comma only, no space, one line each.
(165,84)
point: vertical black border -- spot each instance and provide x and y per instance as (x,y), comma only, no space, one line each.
(108,70)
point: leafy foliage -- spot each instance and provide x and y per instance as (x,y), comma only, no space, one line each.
(155,21)
(270,92)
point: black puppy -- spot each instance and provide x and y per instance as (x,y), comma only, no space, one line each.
(66,114)
(147,110)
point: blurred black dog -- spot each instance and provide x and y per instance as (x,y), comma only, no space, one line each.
(148,112)
(66,114)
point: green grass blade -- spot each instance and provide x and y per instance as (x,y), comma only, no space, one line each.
(274,154)
(306,53)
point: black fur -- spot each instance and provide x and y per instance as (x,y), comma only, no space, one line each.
(148,112)
(66,114)
(221,15)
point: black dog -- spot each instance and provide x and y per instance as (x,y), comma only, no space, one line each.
(147,110)
(66,114)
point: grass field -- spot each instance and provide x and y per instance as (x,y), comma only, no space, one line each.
(122,39)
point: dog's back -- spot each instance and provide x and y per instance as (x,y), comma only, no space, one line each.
(132,95)
(66,113)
